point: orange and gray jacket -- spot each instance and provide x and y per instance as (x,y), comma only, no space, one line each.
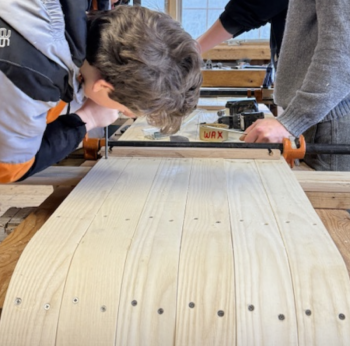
(42,46)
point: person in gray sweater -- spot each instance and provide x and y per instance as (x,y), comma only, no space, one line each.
(313,81)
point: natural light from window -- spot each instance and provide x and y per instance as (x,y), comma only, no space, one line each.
(199,15)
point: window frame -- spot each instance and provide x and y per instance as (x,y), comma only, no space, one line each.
(224,51)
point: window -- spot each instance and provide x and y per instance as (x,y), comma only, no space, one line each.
(199,15)
(158,5)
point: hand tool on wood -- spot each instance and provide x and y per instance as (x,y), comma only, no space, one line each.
(240,105)
(243,113)
(262,95)
(241,121)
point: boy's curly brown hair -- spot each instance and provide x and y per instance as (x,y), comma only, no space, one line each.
(153,64)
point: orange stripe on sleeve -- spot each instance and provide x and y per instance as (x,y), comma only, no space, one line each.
(54,112)
(10,172)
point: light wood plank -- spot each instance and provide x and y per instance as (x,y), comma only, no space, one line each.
(21,214)
(224,51)
(18,190)
(45,262)
(324,181)
(329,200)
(57,175)
(151,268)
(12,247)
(197,153)
(320,280)
(206,276)
(233,78)
(338,225)
(262,275)
(58,269)
(92,292)
(22,196)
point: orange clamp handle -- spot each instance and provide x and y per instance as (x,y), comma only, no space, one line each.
(92,146)
(290,154)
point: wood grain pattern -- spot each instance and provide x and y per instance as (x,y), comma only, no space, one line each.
(154,251)
(57,175)
(12,247)
(94,308)
(338,225)
(36,304)
(333,182)
(230,52)
(260,261)
(22,196)
(198,153)
(329,200)
(233,78)
(317,268)
(206,244)
(151,267)
(326,190)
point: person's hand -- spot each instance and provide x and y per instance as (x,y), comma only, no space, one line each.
(94,115)
(265,131)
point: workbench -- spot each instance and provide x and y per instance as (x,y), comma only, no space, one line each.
(160,249)
(329,193)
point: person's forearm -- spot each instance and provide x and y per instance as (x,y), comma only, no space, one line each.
(213,36)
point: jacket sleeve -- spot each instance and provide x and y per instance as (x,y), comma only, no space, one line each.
(60,138)
(250,14)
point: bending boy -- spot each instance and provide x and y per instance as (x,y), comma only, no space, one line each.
(129,59)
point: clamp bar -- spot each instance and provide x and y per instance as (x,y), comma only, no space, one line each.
(318,148)
(225,145)
(93,145)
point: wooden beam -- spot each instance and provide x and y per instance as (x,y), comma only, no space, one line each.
(233,78)
(334,182)
(58,176)
(326,190)
(329,200)
(196,152)
(338,224)
(12,247)
(224,51)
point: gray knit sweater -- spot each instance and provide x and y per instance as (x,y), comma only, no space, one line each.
(313,77)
